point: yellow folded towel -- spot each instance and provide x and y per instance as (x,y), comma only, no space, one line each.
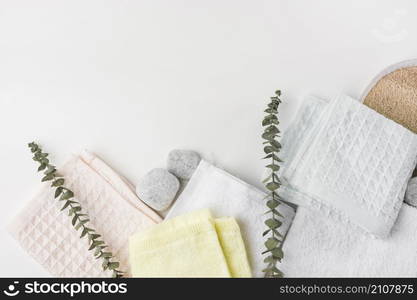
(192,245)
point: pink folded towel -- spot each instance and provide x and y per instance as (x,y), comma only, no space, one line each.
(114,210)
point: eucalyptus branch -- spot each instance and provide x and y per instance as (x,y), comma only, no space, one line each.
(273,243)
(79,220)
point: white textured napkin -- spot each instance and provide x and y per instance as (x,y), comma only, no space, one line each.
(226,195)
(348,159)
(114,210)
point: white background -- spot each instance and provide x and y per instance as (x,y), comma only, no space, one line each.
(131,80)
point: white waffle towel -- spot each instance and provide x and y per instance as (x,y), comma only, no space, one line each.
(346,159)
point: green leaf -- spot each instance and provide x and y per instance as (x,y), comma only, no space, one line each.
(269,259)
(67,203)
(41,167)
(271,155)
(95,244)
(58,192)
(58,182)
(95,236)
(113,265)
(98,251)
(107,254)
(50,170)
(274,168)
(105,264)
(74,220)
(92,246)
(67,195)
(81,223)
(276,144)
(33,147)
(271,243)
(48,177)
(268,136)
(266,232)
(277,233)
(271,110)
(272,204)
(84,232)
(269,149)
(277,253)
(272,186)
(272,129)
(273,223)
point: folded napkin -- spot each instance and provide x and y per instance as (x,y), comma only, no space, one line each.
(224,194)
(192,245)
(114,210)
(348,160)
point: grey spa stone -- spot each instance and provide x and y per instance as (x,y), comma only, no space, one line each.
(411,193)
(182,163)
(158,189)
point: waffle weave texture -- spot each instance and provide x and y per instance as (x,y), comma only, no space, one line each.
(115,212)
(351,161)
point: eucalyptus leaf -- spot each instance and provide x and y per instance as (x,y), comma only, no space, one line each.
(107,254)
(74,220)
(50,171)
(272,186)
(269,259)
(272,203)
(41,167)
(105,264)
(98,251)
(269,149)
(113,265)
(67,195)
(84,232)
(48,177)
(278,253)
(268,136)
(95,236)
(273,167)
(271,243)
(266,232)
(272,223)
(58,192)
(58,182)
(68,203)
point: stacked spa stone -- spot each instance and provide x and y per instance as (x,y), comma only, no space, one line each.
(159,187)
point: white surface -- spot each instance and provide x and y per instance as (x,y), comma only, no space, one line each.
(131,80)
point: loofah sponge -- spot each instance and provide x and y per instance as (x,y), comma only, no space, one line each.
(394,95)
